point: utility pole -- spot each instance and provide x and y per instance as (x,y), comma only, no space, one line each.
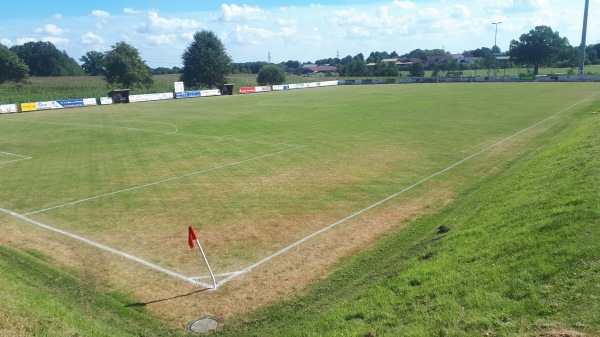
(269,57)
(583,36)
(496,34)
(496,45)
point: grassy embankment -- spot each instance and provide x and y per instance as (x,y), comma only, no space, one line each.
(521,259)
(38,299)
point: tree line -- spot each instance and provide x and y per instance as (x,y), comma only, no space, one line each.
(207,64)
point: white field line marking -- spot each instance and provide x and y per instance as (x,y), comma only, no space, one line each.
(163,181)
(173,125)
(208,276)
(106,248)
(14,160)
(241,140)
(249,268)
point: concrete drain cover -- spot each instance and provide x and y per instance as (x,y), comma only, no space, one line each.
(204,324)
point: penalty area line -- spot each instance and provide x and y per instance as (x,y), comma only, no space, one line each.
(107,248)
(21,157)
(233,275)
(163,181)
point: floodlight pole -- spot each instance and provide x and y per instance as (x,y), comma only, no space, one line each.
(496,45)
(583,36)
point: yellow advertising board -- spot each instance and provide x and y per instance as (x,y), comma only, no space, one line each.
(28,107)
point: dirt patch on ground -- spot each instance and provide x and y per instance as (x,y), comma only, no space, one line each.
(178,302)
(563,334)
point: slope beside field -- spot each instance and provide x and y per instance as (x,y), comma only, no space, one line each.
(514,255)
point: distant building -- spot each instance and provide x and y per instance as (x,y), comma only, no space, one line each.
(326,68)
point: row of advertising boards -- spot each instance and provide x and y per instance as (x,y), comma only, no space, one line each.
(251,90)
(82,102)
(179,94)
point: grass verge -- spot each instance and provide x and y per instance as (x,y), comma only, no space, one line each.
(520,259)
(38,299)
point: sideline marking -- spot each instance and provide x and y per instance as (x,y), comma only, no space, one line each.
(164,180)
(107,248)
(14,160)
(235,274)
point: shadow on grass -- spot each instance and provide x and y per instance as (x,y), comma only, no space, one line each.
(143,304)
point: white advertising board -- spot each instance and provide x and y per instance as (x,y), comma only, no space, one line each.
(8,108)
(150,97)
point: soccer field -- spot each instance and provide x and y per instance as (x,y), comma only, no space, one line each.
(257,174)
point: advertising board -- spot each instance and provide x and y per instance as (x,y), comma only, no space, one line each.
(150,97)
(179,87)
(187,94)
(8,108)
(250,90)
(212,92)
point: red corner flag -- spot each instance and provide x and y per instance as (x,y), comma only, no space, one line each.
(191,237)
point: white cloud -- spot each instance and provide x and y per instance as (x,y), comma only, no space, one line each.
(360,32)
(431,13)
(288,9)
(58,16)
(100,14)
(235,13)
(132,11)
(502,3)
(171,24)
(6,42)
(23,40)
(160,25)
(247,34)
(461,11)
(162,39)
(289,31)
(284,22)
(360,18)
(50,29)
(540,4)
(254,35)
(404,4)
(91,38)
(57,40)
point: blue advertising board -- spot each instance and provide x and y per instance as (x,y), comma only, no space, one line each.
(188,94)
(71,103)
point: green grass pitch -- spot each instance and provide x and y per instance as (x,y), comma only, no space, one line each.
(253,174)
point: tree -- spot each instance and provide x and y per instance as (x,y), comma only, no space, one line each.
(353,68)
(417,69)
(205,61)
(376,57)
(592,54)
(93,63)
(386,69)
(271,74)
(44,59)
(124,67)
(12,68)
(541,46)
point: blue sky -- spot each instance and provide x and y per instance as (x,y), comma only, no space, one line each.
(298,30)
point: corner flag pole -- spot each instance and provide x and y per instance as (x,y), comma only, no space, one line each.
(191,238)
